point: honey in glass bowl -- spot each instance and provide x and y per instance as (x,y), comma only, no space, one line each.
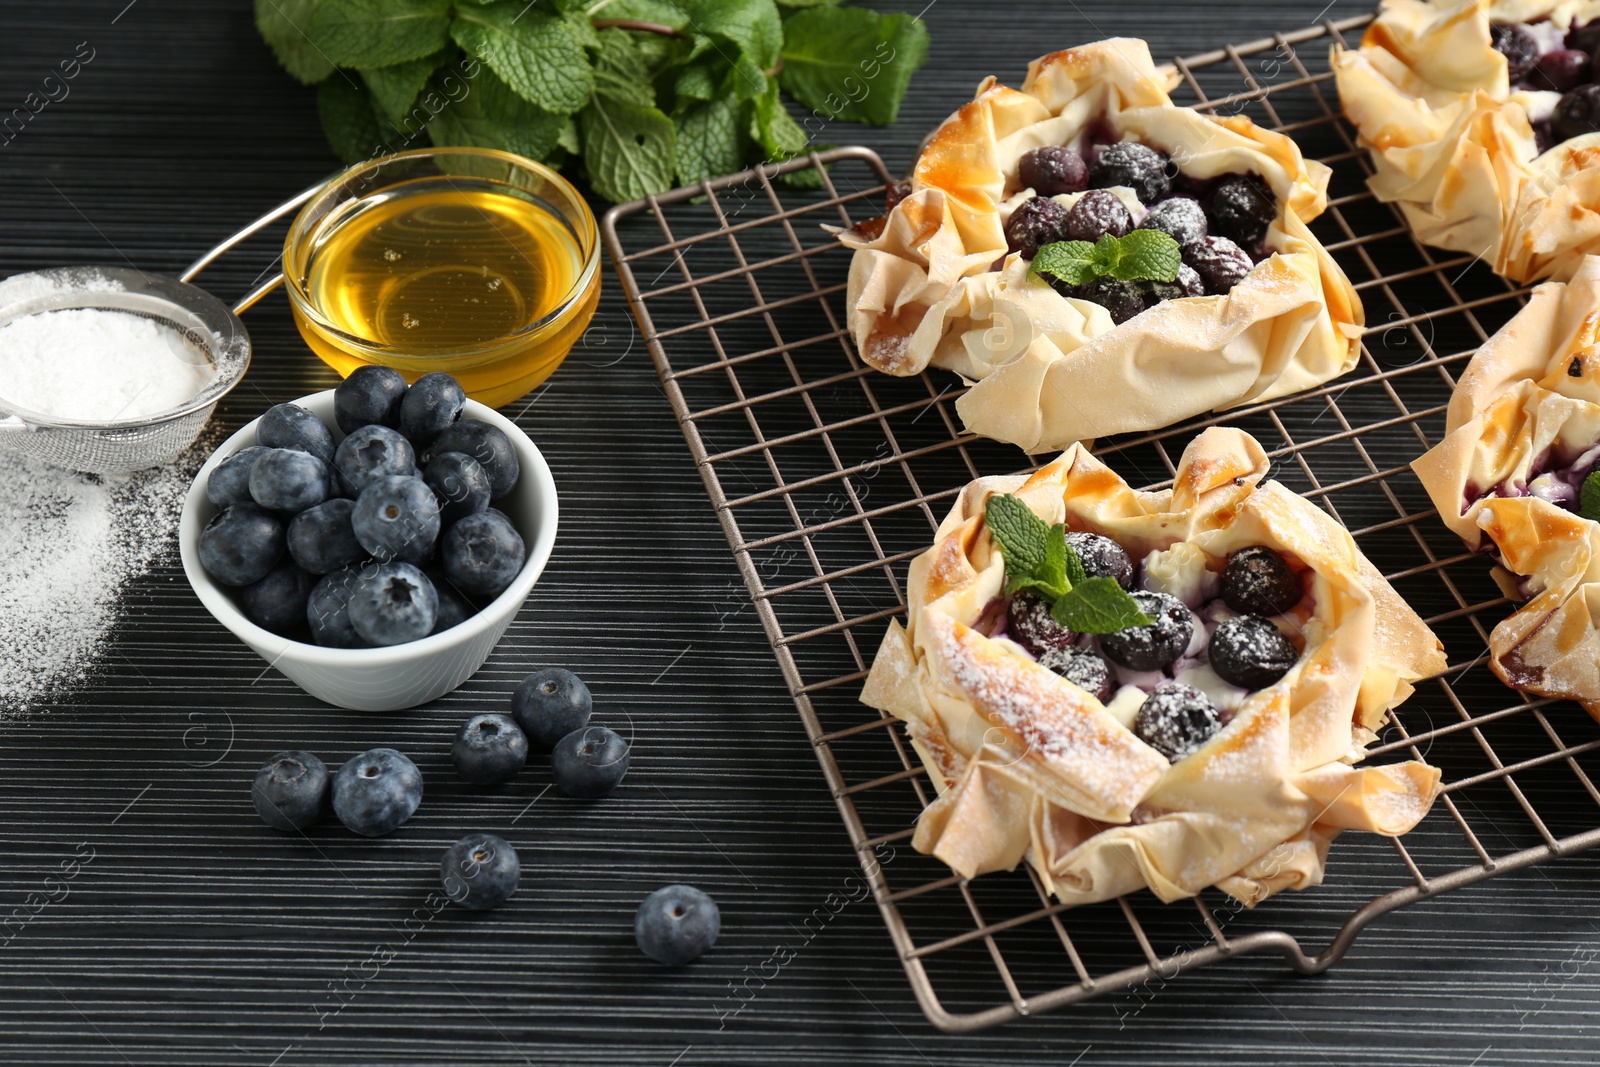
(470,261)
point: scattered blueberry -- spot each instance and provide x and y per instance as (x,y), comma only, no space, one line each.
(550,704)
(454,609)
(1560,71)
(377,791)
(675,924)
(241,544)
(589,762)
(1030,624)
(292,426)
(278,601)
(1122,299)
(1084,668)
(480,871)
(486,444)
(430,407)
(1520,48)
(397,518)
(288,480)
(1150,648)
(460,484)
(489,749)
(1101,557)
(1585,38)
(1052,170)
(328,610)
(374,452)
(1258,581)
(1250,652)
(1176,720)
(229,482)
(291,790)
(1096,214)
(1220,263)
(1180,218)
(1136,166)
(1242,209)
(322,539)
(1577,113)
(1189,281)
(371,396)
(482,553)
(393,603)
(1034,224)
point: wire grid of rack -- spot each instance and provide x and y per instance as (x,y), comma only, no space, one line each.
(828,477)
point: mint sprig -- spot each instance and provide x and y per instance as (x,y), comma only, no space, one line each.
(634,96)
(1142,255)
(1039,559)
(1589,497)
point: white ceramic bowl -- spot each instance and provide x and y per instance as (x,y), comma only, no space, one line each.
(400,676)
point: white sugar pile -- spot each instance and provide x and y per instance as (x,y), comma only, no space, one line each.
(72,544)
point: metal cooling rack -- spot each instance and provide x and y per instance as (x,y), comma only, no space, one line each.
(828,477)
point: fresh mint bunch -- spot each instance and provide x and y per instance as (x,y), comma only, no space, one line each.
(1142,255)
(1039,560)
(639,95)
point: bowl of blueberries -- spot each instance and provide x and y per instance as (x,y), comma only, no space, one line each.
(373,541)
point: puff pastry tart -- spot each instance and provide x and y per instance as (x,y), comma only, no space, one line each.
(1522,437)
(1213,746)
(1484,126)
(1092,151)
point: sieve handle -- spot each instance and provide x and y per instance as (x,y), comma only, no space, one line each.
(255,227)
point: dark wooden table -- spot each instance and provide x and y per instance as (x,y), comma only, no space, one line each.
(198,936)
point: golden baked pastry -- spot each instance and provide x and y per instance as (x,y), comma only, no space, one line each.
(1521,434)
(1475,144)
(937,282)
(1105,796)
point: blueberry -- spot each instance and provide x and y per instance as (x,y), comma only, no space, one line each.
(1096,214)
(896,192)
(373,452)
(1101,557)
(480,871)
(328,610)
(278,601)
(292,426)
(1030,624)
(482,554)
(393,603)
(1189,281)
(489,749)
(430,407)
(1180,218)
(1520,48)
(241,544)
(486,444)
(1052,170)
(1034,224)
(675,924)
(1250,652)
(371,396)
(589,762)
(1150,648)
(1135,166)
(1585,37)
(1242,209)
(1560,71)
(460,484)
(377,791)
(1176,720)
(1122,299)
(1577,113)
(1258,581)
(322,539)
(290,791)
(229,482)
(1221,263)
(454,608)
(1083,668)
(550,704)
(397,518)
(288,480)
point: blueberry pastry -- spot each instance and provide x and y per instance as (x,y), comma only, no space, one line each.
(1517,477)
(1482,117)
(1095,259)
(1168,690)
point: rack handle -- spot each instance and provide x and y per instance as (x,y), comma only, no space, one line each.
(251,298)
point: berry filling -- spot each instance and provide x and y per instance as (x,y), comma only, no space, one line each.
(1553,76)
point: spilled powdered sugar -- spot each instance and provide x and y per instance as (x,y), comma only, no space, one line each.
(72,544)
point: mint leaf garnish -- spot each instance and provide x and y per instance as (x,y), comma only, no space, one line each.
(1023,536)
(849,63)
(534,53)
(630,151)
(1098,606)
(283,25)
(1147,255)
(1072,262)
(1589,497)
(378,33)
